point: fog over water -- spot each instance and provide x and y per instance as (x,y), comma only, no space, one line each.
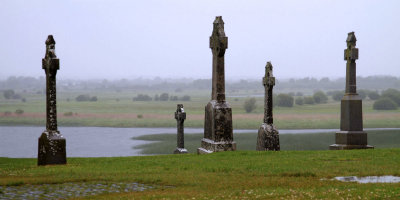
(170,38)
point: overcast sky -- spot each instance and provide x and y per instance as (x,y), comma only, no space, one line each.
(115,39)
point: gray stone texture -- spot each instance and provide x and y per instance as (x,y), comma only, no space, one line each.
(51,148)
(218,133)
(268,136)
(351,134)
(180,117)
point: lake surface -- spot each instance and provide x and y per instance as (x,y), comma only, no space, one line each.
(22,141)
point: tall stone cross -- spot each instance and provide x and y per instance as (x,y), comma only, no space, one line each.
(218,45)
(269,83)
(351,134)
(268,136)
(180,117)
(218,133)
(51,148)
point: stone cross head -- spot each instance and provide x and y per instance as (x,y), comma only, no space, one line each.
(351,53)
(180,114)
(218,39)
(50,47)
(269,79)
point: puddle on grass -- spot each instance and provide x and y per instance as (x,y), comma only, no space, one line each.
(67,190)
(369,179)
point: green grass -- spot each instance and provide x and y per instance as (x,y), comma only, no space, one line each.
(166,143)
(224,175)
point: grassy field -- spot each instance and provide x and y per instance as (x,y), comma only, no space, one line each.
(166,143)
(225,175)
(110,112)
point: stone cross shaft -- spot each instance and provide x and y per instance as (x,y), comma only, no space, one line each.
(50,64)
(218,45)
(268,82)
(180,117)
(351,55)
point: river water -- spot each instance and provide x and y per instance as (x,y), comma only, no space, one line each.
(22,141)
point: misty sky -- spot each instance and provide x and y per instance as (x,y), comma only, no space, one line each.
(168,38)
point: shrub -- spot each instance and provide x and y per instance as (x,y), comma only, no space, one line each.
(185,98)
(83,97)
(309,100)
(164,97)
(94,98)
(392,94)
(337,95)
(68,114)
(139,116)
(320,97)
(299,101)
(285,100)
(174,98)
(156,97)
(142,97)
(384,104)
(373,95)
(249,105)
(8,94)
(19,111)
(23,100)
(7,113)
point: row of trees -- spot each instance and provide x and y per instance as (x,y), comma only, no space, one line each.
(161,97)
(389,100)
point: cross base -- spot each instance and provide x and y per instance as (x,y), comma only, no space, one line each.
(51,148)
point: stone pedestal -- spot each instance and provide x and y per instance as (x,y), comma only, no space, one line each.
(218,132)
(268,138)
(51,148)
(351,135)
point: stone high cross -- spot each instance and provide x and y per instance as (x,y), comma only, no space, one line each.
(218,132)
(351,134)
(180,117)
(218,45)
(268,82)
(51,148)
(268,136)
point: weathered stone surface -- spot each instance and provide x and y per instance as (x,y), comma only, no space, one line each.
(268,136)
(51,149)
(180,117)
(351,134)
(218,133)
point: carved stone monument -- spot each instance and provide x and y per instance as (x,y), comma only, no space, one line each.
(180,117)
(268,136)
(51,143)
(218,133)
(351,134)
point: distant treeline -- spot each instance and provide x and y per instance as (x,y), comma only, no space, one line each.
(310,84)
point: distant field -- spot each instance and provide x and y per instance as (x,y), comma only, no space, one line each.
(116,109)
(166,143)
